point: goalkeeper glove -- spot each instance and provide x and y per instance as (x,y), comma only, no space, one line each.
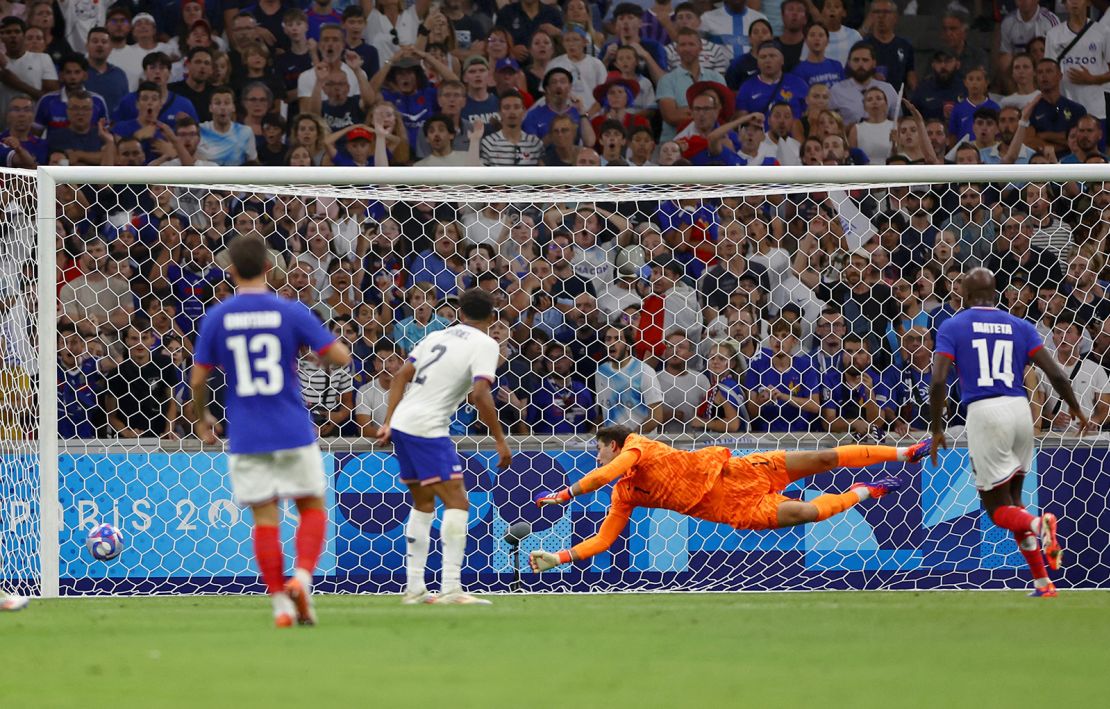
(554,498)
(541,560)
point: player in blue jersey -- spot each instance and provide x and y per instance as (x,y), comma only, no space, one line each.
(991,349)
(440,371)
(255,337)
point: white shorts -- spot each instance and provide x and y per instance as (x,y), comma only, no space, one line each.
(289,473)
(999,439)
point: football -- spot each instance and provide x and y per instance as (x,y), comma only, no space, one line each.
(104,542)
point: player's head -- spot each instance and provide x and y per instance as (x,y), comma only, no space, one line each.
(250,258)
(476,307)
(610,441)
(979,288)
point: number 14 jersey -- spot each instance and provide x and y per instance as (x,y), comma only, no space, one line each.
(254,337)
(447,364)
(990,349)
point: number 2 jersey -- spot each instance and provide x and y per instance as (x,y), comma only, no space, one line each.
(255,337)
(990,349)
(447,364)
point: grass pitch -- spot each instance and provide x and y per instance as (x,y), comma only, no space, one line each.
(660,650)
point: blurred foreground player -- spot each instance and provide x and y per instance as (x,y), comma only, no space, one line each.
(435,379)
(711,485)
(991,349)
(13,603)
(255,337)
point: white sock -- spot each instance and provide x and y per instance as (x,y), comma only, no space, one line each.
(1041,583)
(1035,526)
(863,492)
(903,454)
(418,537)
(305,578)
(453,534)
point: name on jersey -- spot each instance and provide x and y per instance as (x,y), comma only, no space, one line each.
(264,319)
(992,328)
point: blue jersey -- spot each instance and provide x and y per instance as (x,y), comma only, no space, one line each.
(990,349)
(254,338)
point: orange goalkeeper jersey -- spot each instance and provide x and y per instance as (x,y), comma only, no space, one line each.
(652,474)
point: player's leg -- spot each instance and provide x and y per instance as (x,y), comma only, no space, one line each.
(309,544)
(793,512)
(418,538)
(803,464)
(453,535)
(267,551)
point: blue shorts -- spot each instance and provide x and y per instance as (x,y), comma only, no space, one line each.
(426,460)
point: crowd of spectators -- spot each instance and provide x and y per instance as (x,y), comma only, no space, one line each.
(808,312)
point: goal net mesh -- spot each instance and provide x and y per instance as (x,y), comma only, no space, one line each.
(754,317)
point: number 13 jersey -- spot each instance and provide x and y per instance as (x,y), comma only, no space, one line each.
(254,337)
(447,364)
(990,349)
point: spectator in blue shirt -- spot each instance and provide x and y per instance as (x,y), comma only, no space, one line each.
(770,86)
(628,23)
(908,408)
(940,91)
(435,265)
(421,300)
(724,408)
(783,389)
(106,80)
(526,17)
(145,127)
(816,68)
(50,114)
(80,386)
(1054,114)
(894,55)
(858,399)
(319,14)
(556,102)
(81,140)
(156,70)
(20,119)
(562,403)
(963,113)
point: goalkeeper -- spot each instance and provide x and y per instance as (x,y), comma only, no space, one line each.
(710,484)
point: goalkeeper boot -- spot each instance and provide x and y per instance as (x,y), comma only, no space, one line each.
(460,598)
(299,589)
(284,610)
(880,487)
(418,597)
(13,603)
(1053,552)
(1048,591)
(919,451)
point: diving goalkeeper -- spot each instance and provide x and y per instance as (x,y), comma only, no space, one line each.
(710,484)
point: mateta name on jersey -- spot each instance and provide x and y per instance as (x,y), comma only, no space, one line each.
(992,328)
(264,319)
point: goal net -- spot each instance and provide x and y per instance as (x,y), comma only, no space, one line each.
(751,308)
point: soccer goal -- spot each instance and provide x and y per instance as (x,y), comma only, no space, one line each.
(650,297)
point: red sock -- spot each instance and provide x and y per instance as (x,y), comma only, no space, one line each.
(310,538)
(267,550)
(1013,518)
(1033,556)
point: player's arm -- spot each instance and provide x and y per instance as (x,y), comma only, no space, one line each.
(938,402)
(611,528)
(337,354)
(594,480)
(198,385)
(401,380)
(1062,385)
(482,397)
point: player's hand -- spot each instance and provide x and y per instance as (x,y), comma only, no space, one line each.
(383,435)
(940,442)
(504,456)
(541,561)
(1083,422)
(552,498)
(205,432)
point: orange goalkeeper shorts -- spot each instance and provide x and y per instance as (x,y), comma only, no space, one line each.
(749,491)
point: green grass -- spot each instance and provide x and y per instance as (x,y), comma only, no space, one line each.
(674,650)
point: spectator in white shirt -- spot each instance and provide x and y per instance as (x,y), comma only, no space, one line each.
(22,72)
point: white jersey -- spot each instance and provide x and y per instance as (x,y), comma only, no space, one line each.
(1092,53)
(447,363)
(1016,33)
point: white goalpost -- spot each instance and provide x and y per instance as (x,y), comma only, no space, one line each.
(111,269)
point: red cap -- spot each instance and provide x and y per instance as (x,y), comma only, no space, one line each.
(357,133)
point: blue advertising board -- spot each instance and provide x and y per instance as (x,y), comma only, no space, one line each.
(184,533)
